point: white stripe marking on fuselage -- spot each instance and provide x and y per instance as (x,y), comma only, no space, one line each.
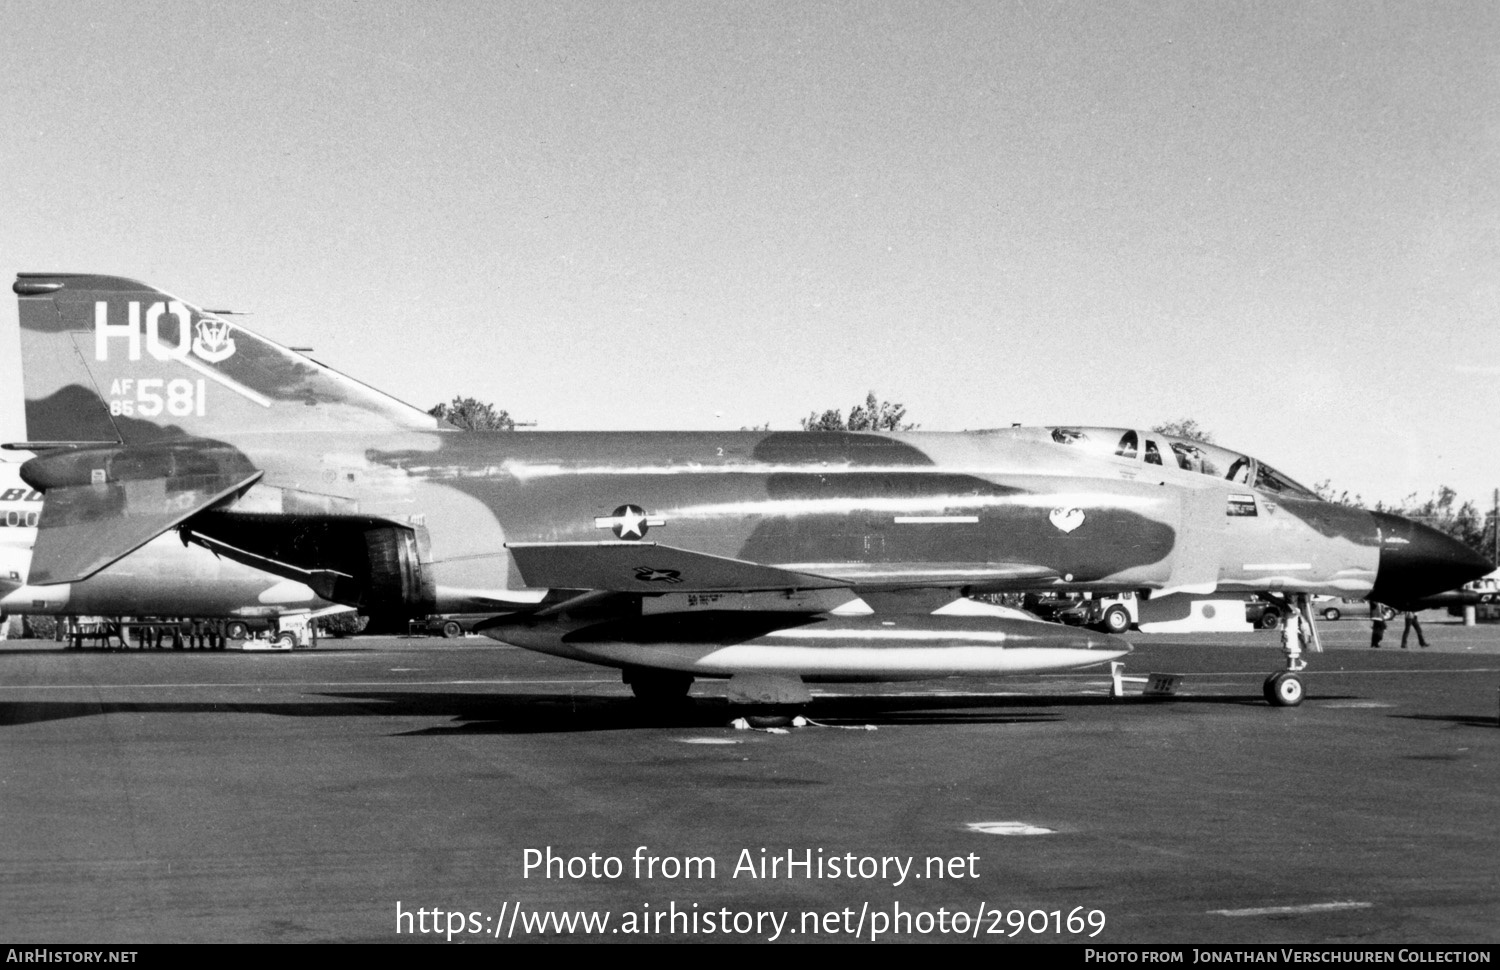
(936,519)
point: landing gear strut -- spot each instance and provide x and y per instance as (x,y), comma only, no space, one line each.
(1284,688)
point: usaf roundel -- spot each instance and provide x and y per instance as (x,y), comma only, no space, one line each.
(628,522)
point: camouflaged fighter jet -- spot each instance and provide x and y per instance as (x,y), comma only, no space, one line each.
(771,558)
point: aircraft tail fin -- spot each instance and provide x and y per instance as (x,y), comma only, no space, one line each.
(107,359)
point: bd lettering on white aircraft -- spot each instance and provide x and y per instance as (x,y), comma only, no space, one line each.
(771,558)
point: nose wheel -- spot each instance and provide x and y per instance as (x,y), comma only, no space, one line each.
(1283,689)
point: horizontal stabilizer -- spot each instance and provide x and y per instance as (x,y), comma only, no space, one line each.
(648,567)
(84,528)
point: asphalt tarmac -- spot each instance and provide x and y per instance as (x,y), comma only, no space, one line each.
(395,790)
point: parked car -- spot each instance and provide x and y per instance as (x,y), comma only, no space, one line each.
(1262,614)
(1333,609)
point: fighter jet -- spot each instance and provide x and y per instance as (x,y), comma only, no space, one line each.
(770,558)
(1485,590)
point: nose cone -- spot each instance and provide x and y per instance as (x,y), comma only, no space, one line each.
(1417,560)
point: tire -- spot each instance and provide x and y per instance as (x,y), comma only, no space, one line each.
(1331,614)
(452,630)
(659,687)
(1116,620)
(286,641)
(1270,620)
(1387,613)
(769,720)
(237,631)
(1283,689)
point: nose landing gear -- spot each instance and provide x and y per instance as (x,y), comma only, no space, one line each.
(1284,688)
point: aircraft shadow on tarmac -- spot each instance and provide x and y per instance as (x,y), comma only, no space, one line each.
(545,713)
(541,714)
(1462,720)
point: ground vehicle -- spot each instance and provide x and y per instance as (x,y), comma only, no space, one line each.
(1112,613)
(246,628)
(1333,609)
(450,625)
(1483,594)
(1047,606)
(1262,614)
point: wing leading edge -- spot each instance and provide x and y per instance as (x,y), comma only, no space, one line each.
(650,567)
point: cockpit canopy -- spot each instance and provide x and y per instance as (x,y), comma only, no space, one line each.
(1155,448)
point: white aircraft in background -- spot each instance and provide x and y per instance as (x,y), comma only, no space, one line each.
(164,578)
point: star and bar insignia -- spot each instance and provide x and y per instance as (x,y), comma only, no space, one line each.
(628,522)
(646,574)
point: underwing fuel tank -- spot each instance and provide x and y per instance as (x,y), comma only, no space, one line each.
(822,646)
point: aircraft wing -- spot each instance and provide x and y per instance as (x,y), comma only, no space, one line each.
(649,567)
(84,528)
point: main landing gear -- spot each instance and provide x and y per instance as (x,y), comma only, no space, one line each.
(658,688)
(762,700)
(1284,688)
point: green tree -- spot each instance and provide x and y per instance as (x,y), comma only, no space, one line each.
(1326,492)
(1441,510)
(471,414)
(1445,513)
(873,415)
(1185,428)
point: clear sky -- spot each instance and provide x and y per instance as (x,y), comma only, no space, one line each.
(1280,219)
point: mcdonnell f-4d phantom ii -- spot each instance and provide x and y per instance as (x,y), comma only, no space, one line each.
(771,558)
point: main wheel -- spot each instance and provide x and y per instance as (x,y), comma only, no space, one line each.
(453,629)
(658,686)
(1116,620)
(1283,689)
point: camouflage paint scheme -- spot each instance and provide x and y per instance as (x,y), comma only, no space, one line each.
(153,415)
(166,576)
